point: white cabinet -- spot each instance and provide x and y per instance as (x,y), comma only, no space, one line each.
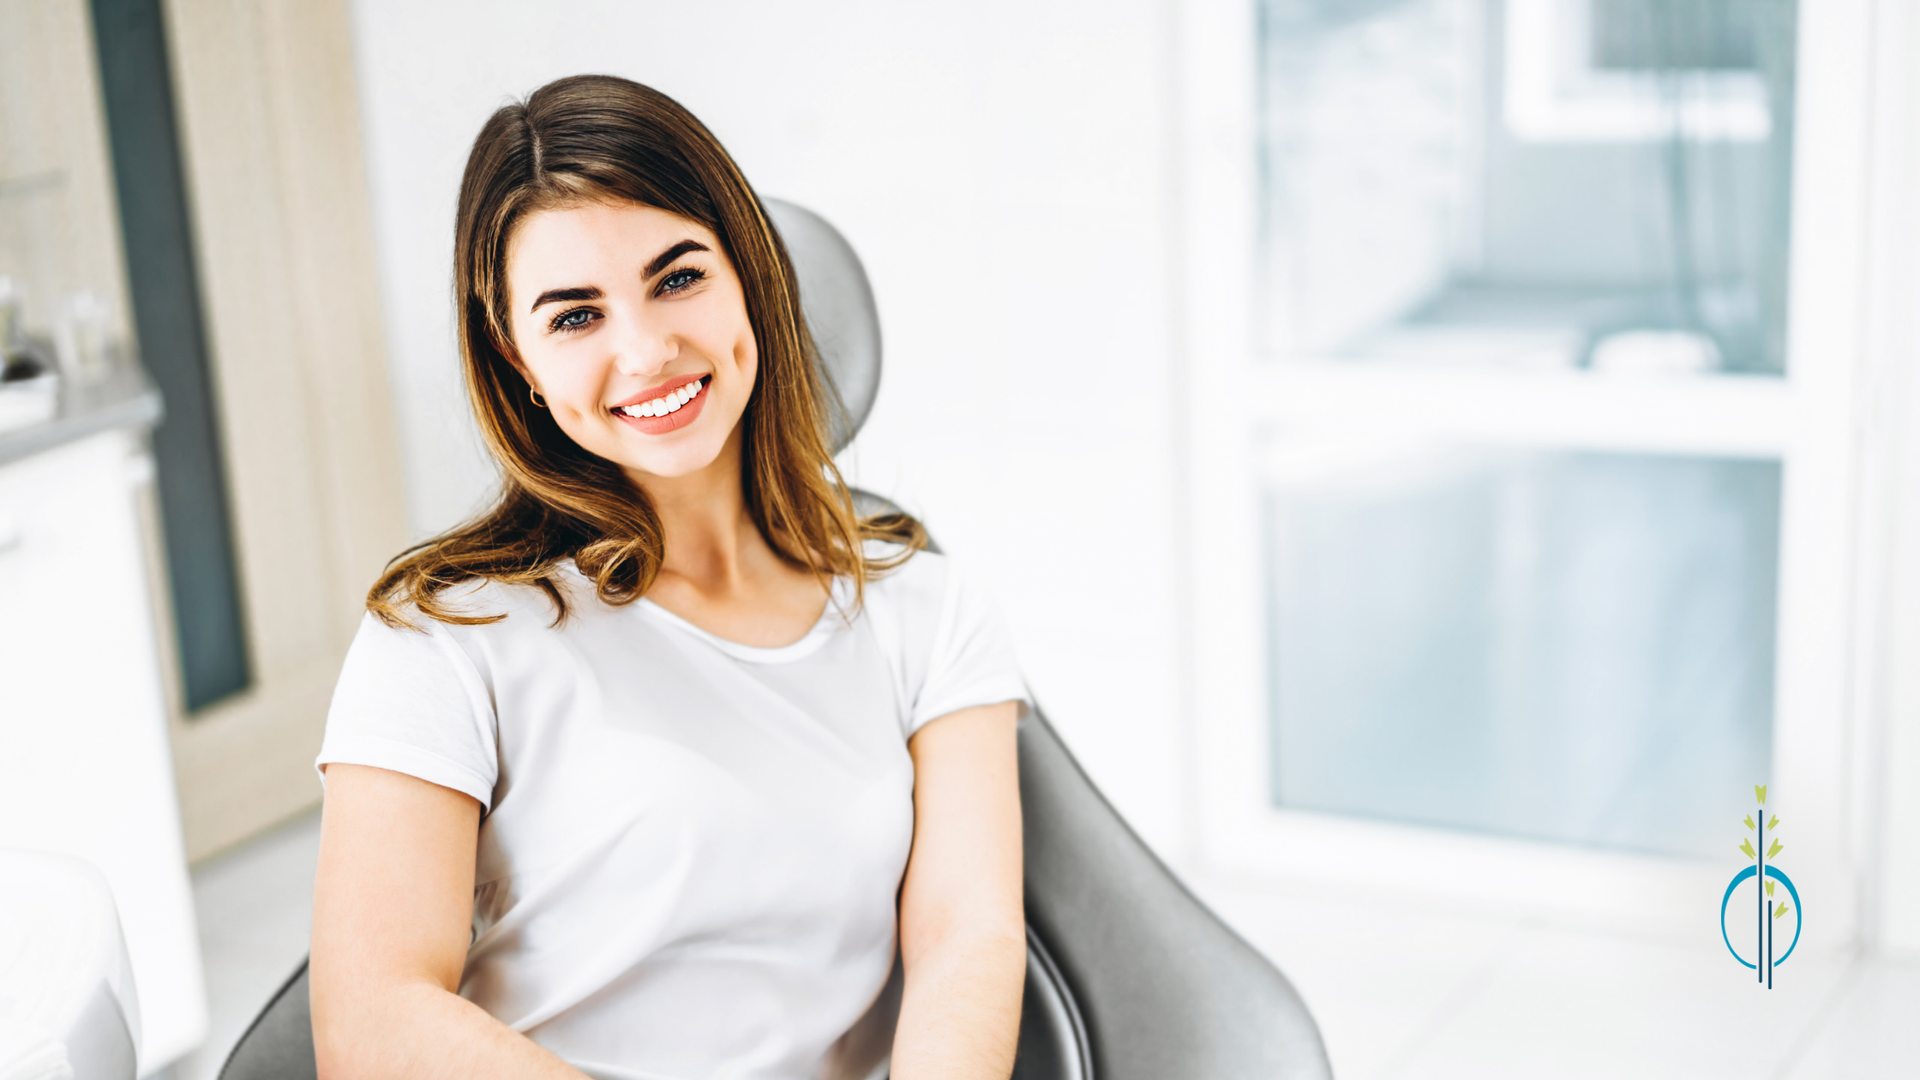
(85,767)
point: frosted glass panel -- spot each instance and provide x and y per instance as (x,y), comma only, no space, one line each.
(1596,184)
(1574,647)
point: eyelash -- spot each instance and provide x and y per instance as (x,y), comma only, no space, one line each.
(688,276)
(693,275)
(559,325)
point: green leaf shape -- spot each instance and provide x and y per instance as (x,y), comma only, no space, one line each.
(1760,792)
(1747,821)
(1774,824)
(1769,889)
(1747,849)
(1774,849)
(1781,910)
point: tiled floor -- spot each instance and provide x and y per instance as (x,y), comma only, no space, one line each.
(1411,995)
(1399,994)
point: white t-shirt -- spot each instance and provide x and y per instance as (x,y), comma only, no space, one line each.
(691,849)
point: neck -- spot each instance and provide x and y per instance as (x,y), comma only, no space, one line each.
(717,571)
(710,540)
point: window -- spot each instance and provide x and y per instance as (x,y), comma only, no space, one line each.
(1552,184)
(1520,438)
(1555,644)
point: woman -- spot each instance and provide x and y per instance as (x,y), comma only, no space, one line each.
(645,772)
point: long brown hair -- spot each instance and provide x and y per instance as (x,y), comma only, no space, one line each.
(597,137)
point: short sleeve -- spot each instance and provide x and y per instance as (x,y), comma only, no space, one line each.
(411,701)
(972,661)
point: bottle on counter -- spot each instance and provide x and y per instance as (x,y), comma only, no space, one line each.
(80,338)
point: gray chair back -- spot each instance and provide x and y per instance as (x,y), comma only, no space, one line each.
(1159,985)
(837,302)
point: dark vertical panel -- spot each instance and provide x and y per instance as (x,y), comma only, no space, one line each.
(131,38)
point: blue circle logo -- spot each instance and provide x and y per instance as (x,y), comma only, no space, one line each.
(1774,873)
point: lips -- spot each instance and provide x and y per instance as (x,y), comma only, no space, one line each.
(668,407)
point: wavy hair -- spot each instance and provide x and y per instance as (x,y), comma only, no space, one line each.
(602,138)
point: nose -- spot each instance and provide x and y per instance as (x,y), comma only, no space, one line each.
(640,349)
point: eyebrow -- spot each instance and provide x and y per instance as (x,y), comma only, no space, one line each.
(664,259)
(577,292)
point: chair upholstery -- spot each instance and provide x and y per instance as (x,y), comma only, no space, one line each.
(278,1045)
(1128,976)
(837,302)
(1161,986)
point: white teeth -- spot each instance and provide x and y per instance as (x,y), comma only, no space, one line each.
(668,403)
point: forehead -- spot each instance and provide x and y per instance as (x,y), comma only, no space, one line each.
(574,241)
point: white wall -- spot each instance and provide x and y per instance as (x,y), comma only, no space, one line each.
(1004,169)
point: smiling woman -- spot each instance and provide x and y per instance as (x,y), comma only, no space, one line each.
(640,257)
(656,768)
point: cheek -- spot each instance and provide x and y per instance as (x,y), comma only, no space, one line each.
(746,351)
(746,364)
(569,381)
(731,332)
(562,379)
(746,355)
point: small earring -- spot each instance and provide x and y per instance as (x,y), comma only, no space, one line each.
(537,399)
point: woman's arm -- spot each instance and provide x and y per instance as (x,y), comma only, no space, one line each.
(962,924)
(392,913)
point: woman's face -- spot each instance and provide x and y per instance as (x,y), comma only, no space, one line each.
(631,323)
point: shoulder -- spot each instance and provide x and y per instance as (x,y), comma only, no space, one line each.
(945,638)
(485,607)
(920,586)
(511,628)
(930,596)
(481,629)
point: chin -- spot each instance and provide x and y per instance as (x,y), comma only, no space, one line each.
(668,462)
(682,453)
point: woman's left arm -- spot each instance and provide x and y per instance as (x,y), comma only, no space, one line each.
(962,924)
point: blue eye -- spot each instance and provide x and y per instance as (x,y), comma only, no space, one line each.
(576,319)
(682,279)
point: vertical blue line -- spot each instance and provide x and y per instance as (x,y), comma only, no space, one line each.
(1767,909)
(1760,883)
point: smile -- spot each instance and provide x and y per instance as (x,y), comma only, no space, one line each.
(670,402)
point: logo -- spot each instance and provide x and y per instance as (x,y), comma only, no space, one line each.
(1764,875)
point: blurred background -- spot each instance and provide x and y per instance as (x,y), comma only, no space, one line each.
(1437,456)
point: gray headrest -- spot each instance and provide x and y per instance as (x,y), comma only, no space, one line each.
(838,305)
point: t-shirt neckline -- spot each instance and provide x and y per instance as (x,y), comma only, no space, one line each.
(832,618)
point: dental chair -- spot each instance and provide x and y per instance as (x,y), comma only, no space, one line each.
(68,1008)
(1129,977)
